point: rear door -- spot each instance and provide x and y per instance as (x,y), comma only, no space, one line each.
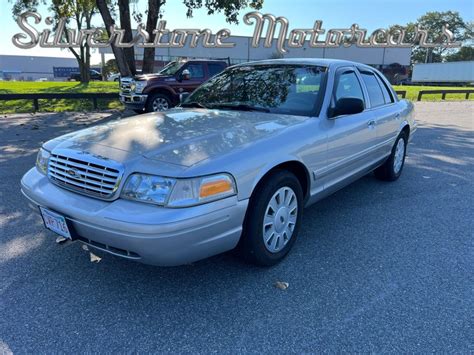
(215,68)
(350,137)
(383,106)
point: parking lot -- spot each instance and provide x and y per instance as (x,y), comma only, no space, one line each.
(378,267)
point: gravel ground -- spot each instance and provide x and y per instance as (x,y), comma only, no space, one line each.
(378,267)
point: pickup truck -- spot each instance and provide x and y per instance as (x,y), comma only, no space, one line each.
(161,91)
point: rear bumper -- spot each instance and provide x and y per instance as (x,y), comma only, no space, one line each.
(146,233)
(134,101)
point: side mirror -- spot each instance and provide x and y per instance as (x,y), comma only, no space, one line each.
(183,96)
(185,75)
(347,106)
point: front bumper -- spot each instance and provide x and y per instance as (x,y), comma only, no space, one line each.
(134,101)
(146,233)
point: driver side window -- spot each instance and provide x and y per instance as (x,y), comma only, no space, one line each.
(196,71)
(348,86)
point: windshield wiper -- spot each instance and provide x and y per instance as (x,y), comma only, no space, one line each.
(240,107)
(193,104)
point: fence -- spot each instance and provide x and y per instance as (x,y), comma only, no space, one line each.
(445,92)
(402,93)
(114,96)
(50,96)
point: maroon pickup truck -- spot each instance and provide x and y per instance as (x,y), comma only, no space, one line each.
(161,91)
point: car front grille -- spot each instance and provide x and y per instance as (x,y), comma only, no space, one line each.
(87,177)
(126,86)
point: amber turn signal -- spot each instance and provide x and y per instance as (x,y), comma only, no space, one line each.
(216,187)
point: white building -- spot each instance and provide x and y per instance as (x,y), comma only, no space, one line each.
(30,68)
(389,60)
(16,67)
(244,52)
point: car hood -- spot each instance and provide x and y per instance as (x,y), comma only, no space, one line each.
(181,136)
(154,76)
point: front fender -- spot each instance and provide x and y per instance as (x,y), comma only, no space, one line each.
(160,88)
(270,165)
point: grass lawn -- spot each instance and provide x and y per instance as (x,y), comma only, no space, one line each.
(24,87)
(412,92)
(19,87)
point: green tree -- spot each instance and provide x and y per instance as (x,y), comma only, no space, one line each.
(433,23)
(110,67)
(155,9)
(464,53)
(79,12)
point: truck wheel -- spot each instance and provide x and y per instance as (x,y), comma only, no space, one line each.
(273,219)
(393,166)
(158,102)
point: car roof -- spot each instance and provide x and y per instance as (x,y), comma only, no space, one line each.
(323,62)
(204,60)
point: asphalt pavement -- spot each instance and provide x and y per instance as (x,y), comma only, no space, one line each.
(378,267)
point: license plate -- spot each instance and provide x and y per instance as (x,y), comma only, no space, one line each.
(55,222)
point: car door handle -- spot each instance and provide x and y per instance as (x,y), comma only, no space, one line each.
(371,123)
(397,116)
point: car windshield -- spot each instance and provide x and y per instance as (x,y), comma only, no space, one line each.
(171,68)
(286,89)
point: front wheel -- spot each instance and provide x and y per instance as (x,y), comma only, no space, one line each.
(393,166)
(158,102)
(273,219)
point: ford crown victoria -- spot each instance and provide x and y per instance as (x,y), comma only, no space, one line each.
(232,167)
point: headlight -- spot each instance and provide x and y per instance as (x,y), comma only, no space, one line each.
(139,86)
(148,188)
(42,160)
(178,192)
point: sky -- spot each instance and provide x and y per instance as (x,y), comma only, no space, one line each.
(369,14)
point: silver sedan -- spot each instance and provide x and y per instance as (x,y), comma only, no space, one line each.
(232,167)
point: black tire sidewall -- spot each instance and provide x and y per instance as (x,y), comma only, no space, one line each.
(253,245)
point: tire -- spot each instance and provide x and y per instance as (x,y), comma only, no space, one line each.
(158,103)
(253,246)
(393,166)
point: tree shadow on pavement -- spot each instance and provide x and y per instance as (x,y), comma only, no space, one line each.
(356,248)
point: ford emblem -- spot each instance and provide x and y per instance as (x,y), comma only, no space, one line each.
(73,173)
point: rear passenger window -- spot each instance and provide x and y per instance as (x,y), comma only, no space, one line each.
(375,91)
(214,68)
(387,94)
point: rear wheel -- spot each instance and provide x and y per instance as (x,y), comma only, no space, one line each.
(393,166)
(273,219)
(158,102)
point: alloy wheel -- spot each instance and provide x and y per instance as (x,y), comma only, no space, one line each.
(160,104)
